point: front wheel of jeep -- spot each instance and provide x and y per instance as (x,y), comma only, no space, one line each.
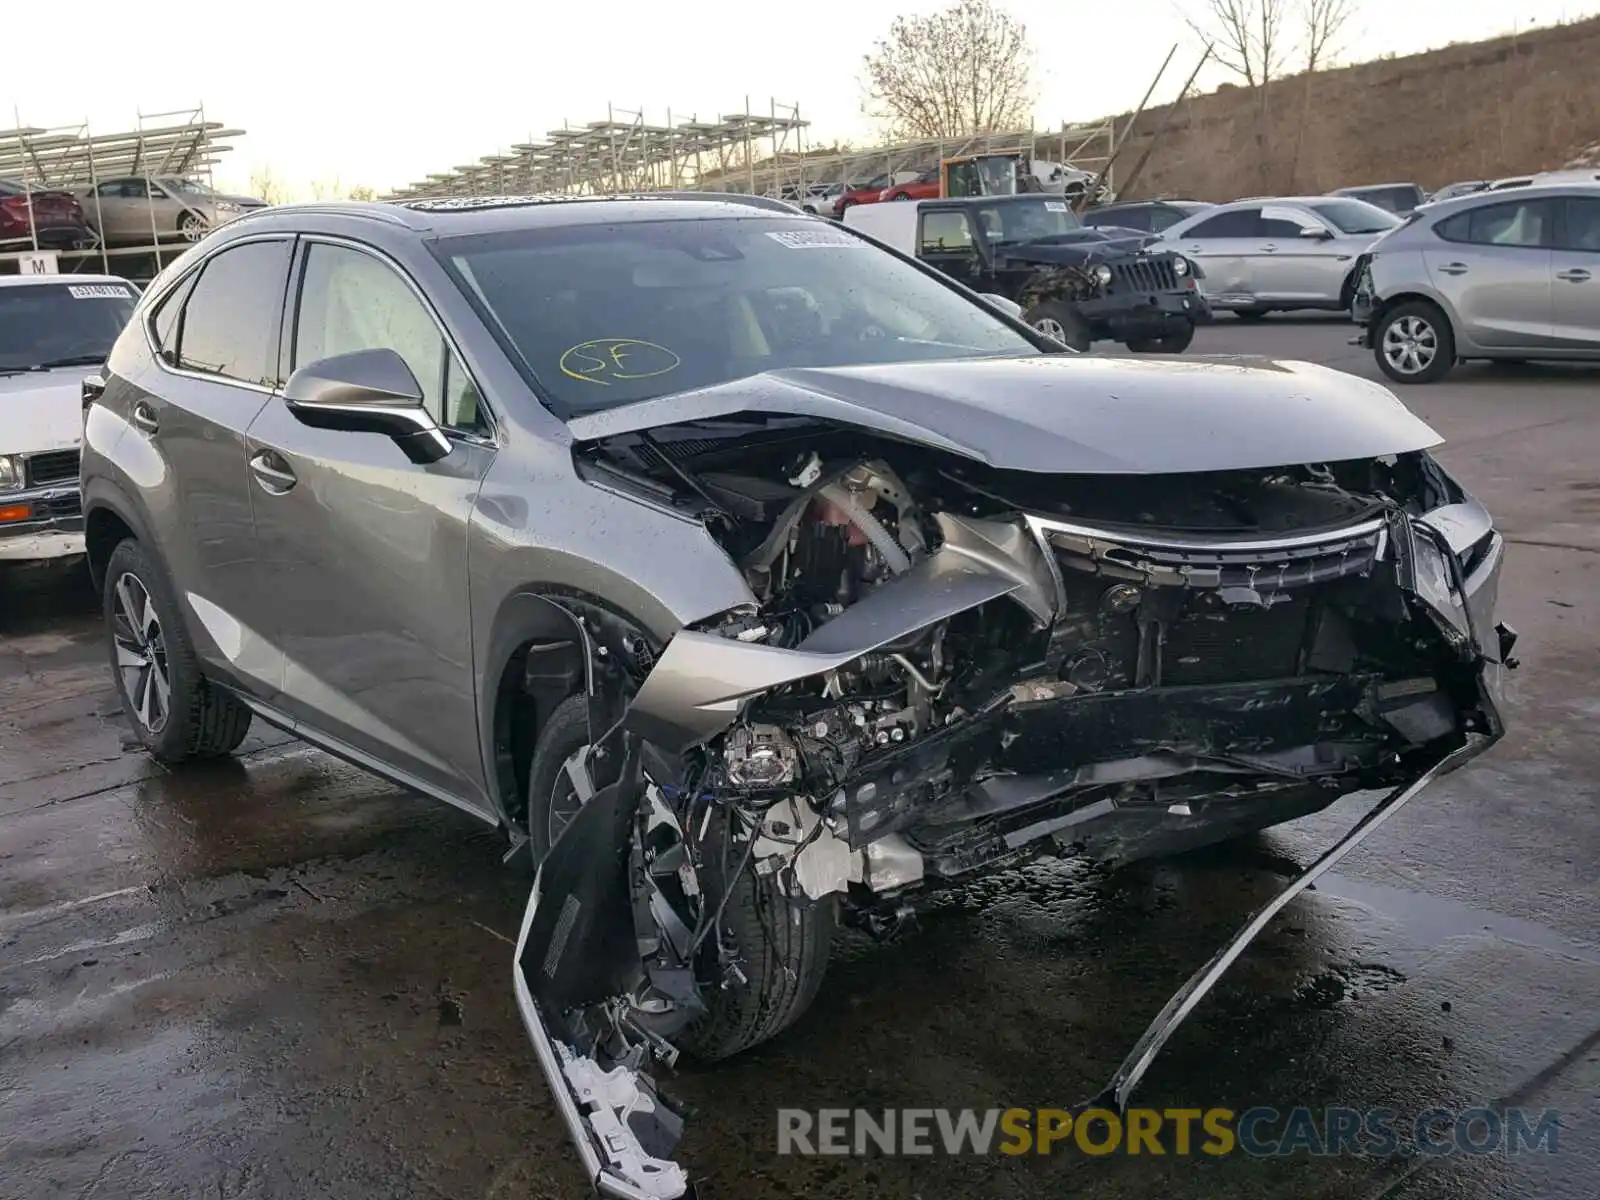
(1061,322)
(174,711)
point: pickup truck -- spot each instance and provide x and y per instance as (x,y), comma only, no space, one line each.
(1075,284)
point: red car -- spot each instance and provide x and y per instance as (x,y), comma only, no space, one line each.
(861,193)
(56,218)
(923,187)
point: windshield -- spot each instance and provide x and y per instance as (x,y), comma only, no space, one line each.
(65,324)
(1027,220)
(603,315)
(1354,216)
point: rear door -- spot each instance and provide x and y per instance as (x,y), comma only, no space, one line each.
(1495,265)
(1226,246)
(366,551)
(217,337)
(1576,285)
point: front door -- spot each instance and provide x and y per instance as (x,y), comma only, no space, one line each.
(365,550)
(1576,283)
(946,241)
(1294,266)
(1494,263)
(217,337)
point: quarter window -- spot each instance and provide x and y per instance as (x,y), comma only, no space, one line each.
(350,301)
(229,324)
(1239,223)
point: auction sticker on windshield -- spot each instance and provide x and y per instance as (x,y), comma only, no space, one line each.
(1055,206)
(99,291)
(810,239)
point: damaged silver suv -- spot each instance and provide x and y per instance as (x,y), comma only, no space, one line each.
(755,578)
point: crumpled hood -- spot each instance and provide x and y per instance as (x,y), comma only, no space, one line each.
(1083,247)
(41,410)
(1074,413)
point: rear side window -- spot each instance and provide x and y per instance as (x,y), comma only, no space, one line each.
(1523,223)
(1162,218)
(1240,223)
(1128,218)
(230,319)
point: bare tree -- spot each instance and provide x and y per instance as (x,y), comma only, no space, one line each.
(1323,23)
(1246,37)
(362,191)
(327,189)
(963,71)
(265,185)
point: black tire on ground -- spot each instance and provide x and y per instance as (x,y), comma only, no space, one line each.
(1429,327)
(550,792)
(1175,342)
(1250,314)
(1074,328)
(783,947)
(784,950)
(200,720)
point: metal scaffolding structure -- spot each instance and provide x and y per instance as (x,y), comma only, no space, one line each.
(181,143)
(746,151)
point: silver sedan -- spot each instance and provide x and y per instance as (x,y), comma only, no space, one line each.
(1508,275)
(1265,255)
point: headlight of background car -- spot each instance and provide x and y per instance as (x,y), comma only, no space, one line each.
(10,472)
(1103,273)
(1180,266)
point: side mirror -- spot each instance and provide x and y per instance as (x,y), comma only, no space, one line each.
(1315,233)
(368,391)
(1010,307)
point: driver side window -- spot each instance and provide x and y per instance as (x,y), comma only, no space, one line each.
(1285,222)
(944,231)
(350,300)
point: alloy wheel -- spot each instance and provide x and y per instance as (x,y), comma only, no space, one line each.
(192,228)
(141,654)
(1410,345)
(1051,328)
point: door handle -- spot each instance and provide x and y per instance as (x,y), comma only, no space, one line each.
(145,417)
(1453,268)
(1269,248)
(272,473)
(1575,275)
(1197,249)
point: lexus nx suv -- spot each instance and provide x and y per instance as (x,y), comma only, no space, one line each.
(754,577)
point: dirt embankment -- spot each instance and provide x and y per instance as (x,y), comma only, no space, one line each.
(1479,110)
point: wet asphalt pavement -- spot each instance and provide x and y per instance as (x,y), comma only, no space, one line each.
(281,977)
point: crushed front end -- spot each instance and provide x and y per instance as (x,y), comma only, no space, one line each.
(948,668)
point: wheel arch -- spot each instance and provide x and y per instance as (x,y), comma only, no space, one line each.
(544,646)
(110,514)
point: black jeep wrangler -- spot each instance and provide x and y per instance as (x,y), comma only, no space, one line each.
(1076,284)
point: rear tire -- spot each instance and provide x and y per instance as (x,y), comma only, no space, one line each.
(1060,321)
(1413,343)
(175,711)
(1175,342)
(1250,314)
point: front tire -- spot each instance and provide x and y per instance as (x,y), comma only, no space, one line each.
(1060,321)
(191,228)
(175,712)
(1414,343)
(1174,342)
(782,946)
(1250,314)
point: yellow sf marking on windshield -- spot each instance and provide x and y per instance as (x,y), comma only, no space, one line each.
(605,359)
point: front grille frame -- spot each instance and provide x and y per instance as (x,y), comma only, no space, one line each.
(1145,274)
(51,467)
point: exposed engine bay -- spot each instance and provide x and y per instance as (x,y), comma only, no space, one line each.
(945,668)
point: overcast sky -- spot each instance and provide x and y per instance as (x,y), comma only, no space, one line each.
(385,95)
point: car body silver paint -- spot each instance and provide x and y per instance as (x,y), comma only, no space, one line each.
(701,681)
(1075,413)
